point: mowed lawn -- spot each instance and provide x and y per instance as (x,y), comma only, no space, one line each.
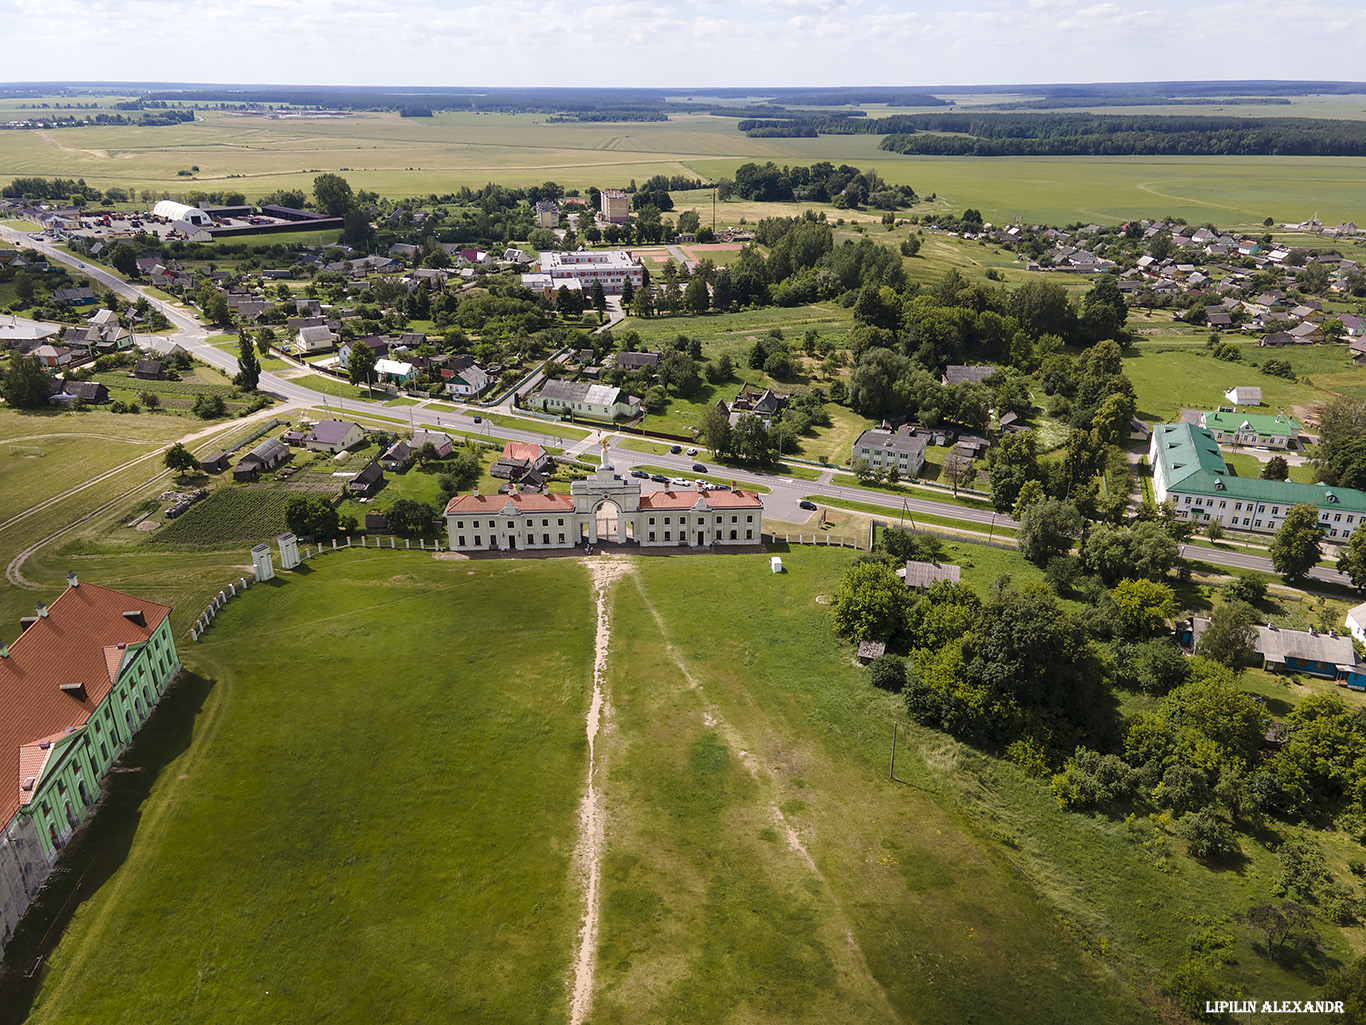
(374,818)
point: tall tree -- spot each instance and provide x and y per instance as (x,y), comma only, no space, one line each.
(1298,545)
(360,365)
(716,433)
(248,366)
(181,460)
(333,194)
(1353,559)
(26,384)
(1047,530)
(1229,637)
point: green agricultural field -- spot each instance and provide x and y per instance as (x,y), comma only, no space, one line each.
(244,514)
(418,156)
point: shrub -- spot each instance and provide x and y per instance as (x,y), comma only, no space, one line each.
(1207,836)
(888,672)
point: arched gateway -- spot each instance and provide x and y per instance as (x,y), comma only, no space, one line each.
(607,507)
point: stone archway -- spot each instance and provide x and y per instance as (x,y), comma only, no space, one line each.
(607,522)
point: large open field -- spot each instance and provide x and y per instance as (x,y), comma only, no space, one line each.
(376,763)
(416,156)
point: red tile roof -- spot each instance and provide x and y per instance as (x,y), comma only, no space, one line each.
(492,505)
(685,498)
(77,642)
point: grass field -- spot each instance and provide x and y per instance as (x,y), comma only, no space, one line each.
(758,867)
(441,792)
(401,157)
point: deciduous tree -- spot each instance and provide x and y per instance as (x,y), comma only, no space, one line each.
(1298,545)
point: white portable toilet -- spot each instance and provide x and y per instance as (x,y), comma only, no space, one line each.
(776,564)
(260,558)
(289,550)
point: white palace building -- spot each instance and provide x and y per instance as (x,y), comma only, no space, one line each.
(605,507)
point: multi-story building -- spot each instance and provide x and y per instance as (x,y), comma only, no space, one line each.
(547,214)
(615,205)
(883,450)
(75,687)
(1188,470)
(611,267)
(605,507)
(1259,429)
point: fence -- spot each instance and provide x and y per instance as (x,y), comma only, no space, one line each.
(825,540)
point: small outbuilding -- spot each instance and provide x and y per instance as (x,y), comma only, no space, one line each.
(775,564)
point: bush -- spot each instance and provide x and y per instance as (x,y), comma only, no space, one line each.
(1250,589)
(888,672)
(1183,789)
(1208,837)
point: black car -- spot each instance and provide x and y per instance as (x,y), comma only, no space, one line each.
(640,473)
(699,468)
(659,478)
(804,504)
(676,449)
(478,419)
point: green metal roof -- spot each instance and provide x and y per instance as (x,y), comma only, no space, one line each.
(1266,426)
(1192,465)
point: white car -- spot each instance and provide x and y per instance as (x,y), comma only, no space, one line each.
(680,482)
(692,451)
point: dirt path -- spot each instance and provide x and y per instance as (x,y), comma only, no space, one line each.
(589,850)
(763,774)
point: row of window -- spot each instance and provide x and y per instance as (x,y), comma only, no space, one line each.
(1275,509)
(493,524)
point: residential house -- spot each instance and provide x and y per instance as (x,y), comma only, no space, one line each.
(519,458)
(53,356)
(595,401)
(638,360)
(397,456)
(1356,622)
(309,340)
(965,375)
(333,436)
(1279,338)
(1306,333)
(441,442)
(394,372)
(83,296)
(67,393)
(464,378)
(149,370)
(1327,655)
(884,450)
(367,482)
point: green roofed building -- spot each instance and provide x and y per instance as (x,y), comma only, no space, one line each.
(1188,470)
(1251,428)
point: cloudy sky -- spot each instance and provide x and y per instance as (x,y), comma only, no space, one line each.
(684,43)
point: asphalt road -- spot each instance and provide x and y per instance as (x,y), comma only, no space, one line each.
(785,492)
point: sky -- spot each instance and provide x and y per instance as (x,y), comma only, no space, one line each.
(673,43)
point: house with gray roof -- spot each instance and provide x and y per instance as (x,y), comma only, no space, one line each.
(924,574)
(1189,471)
(265,456)
(333,435)
(883,450)
(598,401)
(1328,655)
(967,374)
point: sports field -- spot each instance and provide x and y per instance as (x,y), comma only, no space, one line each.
(419,156)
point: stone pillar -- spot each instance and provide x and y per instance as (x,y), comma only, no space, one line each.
(363,541)
(260,558)
(423,544)
(392,542)
(289,550)
(407,543)
(334,544)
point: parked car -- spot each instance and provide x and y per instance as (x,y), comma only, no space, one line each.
(640,473)
(659,478)
(478,419)
(676,449)
(804,504)
(699,468)
(681,482)
(692,451)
